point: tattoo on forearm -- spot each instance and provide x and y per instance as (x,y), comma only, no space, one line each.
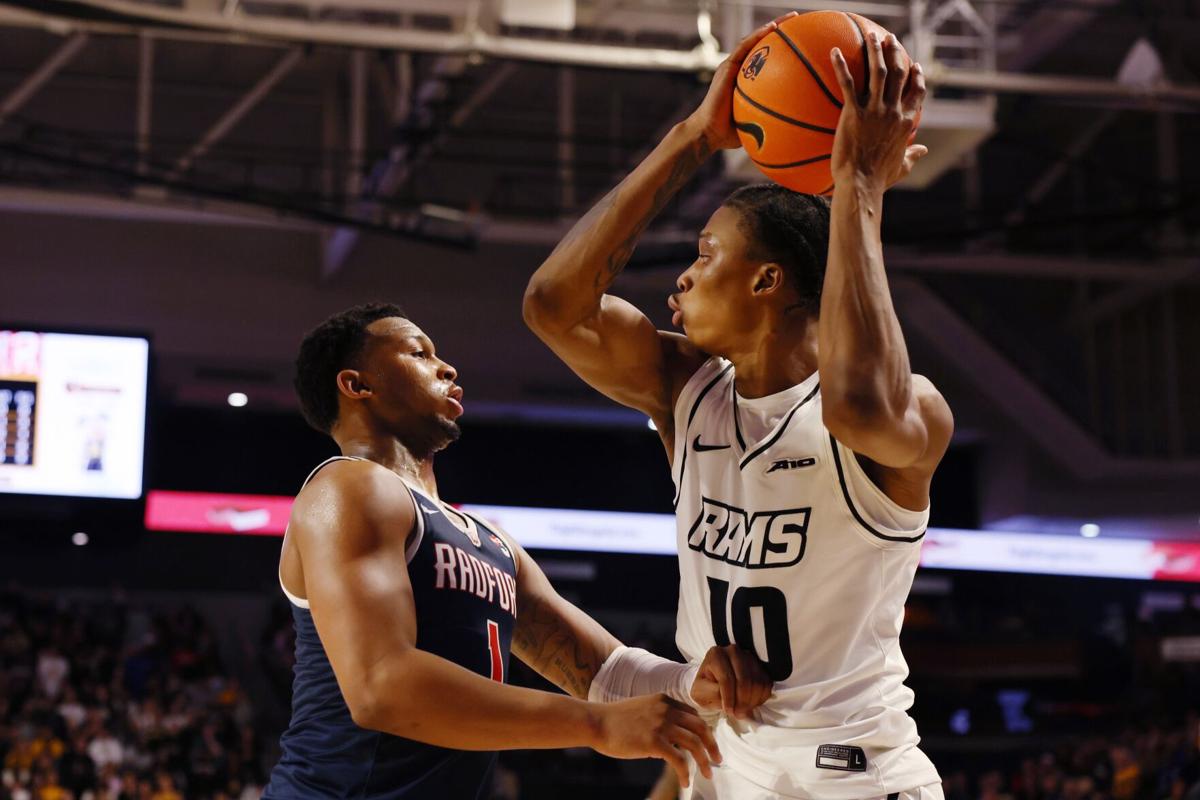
(682,168)
(544,642)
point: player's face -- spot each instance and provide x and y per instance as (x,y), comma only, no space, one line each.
(715,297)
(413,392)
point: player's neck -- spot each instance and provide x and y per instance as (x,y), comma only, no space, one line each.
(776,358)
(393,455)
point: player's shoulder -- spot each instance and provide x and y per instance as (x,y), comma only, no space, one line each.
(681,360)
(352,492)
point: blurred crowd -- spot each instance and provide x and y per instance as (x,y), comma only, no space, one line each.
(111,700)
(1157,762)
(102,700)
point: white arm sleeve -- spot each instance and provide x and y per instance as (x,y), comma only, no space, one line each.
(632,671)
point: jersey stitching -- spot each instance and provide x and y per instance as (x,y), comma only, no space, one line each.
(297,600)
(480,523)
(681,402)
(737,427)
(782,428)
(882,654)
(371,770)
(837,461)
(420,523)
(688,427)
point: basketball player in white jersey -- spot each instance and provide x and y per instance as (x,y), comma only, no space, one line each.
(801,444)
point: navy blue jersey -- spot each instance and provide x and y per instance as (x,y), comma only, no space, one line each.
(464,588)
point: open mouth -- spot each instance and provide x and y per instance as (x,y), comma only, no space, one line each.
(455,396)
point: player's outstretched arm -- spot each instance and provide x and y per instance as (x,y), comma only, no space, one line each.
(350,525)
(556,639)
(871,400)
(604,339)
(575,652)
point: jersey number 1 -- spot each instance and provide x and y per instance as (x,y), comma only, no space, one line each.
(494,651)
(778,662)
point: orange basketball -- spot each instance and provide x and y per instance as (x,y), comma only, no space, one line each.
(787,101)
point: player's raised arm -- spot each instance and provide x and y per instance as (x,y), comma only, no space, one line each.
(350,526)
(604,339)
(871,401)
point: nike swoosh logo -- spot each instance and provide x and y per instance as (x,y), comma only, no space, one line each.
(754,130)
(700,448)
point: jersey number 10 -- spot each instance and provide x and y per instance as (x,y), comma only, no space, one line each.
(778,661)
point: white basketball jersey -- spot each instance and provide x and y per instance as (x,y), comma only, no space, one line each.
(788,549)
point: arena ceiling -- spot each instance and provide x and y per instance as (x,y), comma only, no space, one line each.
(224,172)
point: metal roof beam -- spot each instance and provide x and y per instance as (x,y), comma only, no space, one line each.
(27,88)
(239,110)
(403,162)
(474,41)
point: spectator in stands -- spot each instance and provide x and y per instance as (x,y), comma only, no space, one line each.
(1126,773)
(105,749)
(52,670)
(165,789)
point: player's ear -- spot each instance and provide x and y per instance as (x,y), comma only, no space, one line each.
(768,278)
(352,383)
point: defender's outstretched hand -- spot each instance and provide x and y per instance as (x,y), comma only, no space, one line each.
(731,680)
(655,726)
(715,114)
(873,132)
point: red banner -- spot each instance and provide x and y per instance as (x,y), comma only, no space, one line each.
(204,512)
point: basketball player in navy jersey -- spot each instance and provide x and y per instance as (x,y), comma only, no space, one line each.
(802,445)
(406,609)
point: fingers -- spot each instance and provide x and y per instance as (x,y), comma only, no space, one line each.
(699,727)
(914,91)
(915,153)
(684,739)
(722,672)
(705,693)
(674,758)
(742,672)
(754,685)
(912,155)
(877,69)
(897,75)
(746,45)
(845,80)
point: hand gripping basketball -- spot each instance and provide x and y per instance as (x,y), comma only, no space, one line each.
(788,96)
(715,114)
(873,136)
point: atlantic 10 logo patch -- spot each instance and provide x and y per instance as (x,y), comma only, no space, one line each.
(755,63)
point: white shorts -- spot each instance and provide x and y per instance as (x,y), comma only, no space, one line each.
(729,785)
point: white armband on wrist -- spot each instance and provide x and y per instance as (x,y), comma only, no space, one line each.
(632,671)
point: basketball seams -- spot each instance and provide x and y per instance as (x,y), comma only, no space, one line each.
(802,163)
(795,48)
(776,143)
(866,61)
(778,116)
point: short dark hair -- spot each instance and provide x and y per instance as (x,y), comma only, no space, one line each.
(790,229)
(327,349)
